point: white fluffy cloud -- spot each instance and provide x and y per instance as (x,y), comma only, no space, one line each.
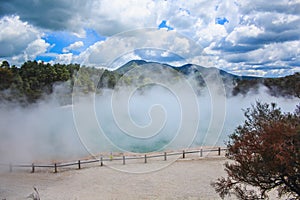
(239,33)
(15,35)
(73,46)
(20,41)
(35,48)
(65,58)
(109,17)
(105,52)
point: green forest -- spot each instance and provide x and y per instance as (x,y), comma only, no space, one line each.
(33,81)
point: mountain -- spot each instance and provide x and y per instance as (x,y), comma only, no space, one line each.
(134,63)
(186,69)
(288,86)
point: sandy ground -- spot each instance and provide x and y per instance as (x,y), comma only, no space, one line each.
(184,179)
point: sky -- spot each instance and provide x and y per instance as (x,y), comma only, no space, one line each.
(245,37)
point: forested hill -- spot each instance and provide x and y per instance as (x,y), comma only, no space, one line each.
(33,80)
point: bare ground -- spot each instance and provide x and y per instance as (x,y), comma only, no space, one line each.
(184,179)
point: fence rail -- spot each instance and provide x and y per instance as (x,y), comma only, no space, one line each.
(112,157)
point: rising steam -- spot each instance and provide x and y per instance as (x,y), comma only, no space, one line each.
(152,116)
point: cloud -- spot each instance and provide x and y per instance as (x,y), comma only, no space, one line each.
(270,60)
(16,35)
(243,29)
(73,46)
(285,6)
(270,53)
(35,48)
(105,52)
(20,41)
(110,16)
(268,23)
(65,58)
(238,34)
(53,15)
(124,59)
(106,16)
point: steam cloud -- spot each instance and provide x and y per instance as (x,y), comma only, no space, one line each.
(46,131)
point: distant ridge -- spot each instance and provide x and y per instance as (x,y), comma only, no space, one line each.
(288,86)
(185,69)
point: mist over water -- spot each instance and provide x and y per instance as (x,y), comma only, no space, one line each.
(46,131)
(40,132)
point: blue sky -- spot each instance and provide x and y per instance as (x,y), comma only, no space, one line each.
(163,24)
(61,40)
(247,37)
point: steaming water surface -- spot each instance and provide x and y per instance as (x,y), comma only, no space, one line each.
(46,131)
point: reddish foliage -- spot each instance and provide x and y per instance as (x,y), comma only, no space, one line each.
(266,151)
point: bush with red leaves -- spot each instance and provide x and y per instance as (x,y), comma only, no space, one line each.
(265,154)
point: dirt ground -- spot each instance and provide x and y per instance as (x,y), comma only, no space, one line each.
(183,179)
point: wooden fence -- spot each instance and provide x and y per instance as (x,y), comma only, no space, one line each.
(123,158)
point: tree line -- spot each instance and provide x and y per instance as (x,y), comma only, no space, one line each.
(34,80)
(288,86)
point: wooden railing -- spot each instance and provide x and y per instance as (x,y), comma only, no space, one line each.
(118,157)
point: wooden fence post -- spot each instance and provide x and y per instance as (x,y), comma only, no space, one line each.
(219,151)
(111,156)
(183,154)
(101,161)
(145,158)
(32,169)
(10,167)
(79,166)
(201,152)
(165,155)
(123,160)
(55,168)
